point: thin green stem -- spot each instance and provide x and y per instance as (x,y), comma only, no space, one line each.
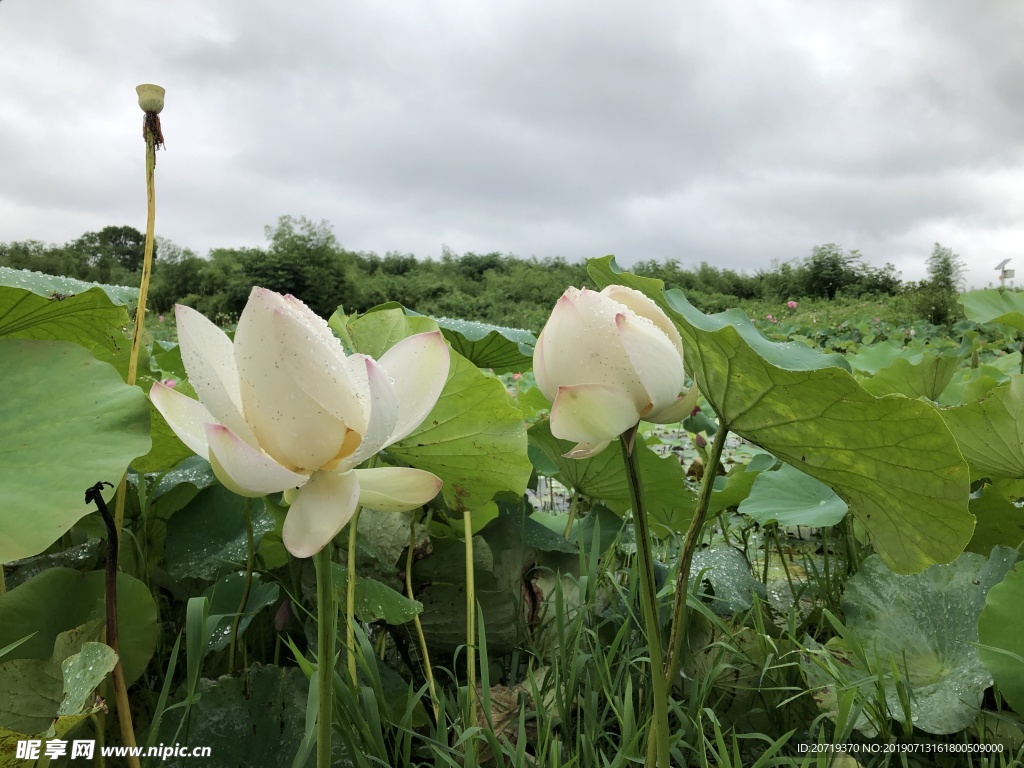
(249,554)
(693,535)
(428,669)
(350,600)
(649,600)
(3,580)
(572,513)
(467,527)
(326,609)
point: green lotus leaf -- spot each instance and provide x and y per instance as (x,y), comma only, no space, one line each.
(727,572)
(69,422)
(207,538)
(1000,518)
(474,439)
(83,674)
(871,359)
(1001,642)
(926,627)
(90,319)
(791,497)
(46,285)
(891,459)
(988,431)
(991,306)
(60,599)
(927,377)
(503,350)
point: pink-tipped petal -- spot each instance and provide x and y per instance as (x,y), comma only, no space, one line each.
(592,413)
(245,470)
(678,410)
(396,489)
(319,510)
(418,366)
(654,358)
(187,417)
(209,359)
(383,415)
(290,425)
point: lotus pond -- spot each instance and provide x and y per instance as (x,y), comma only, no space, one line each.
(813,563)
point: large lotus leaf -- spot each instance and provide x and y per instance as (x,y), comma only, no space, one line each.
(991,306)
(46,285)
(732,587)
(1000,516)
(69,422)
(60,599)
(871,359)
(90,319)
(501,349)
(891,459)
(670,503)
(474,439)
(927,625)
(791,497)
(1001,641)
(989,431)
(207,538)
(970,385)
(925,378)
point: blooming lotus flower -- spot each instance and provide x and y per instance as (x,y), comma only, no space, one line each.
(792,304)
(284,409)
(606,360)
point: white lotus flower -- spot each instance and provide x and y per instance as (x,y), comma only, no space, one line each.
(284,409)
(606,360)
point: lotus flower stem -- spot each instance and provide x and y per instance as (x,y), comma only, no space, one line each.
(326,637)
(151,102)
(246,511)
(3,580)
(467,527)
(693,535)
(572,513)
(648,600)
(424,652)
(350,600)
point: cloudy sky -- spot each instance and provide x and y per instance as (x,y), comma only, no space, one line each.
(734,133)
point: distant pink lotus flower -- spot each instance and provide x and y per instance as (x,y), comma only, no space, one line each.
(161,318)
(770,319)
(516,376)
(874,320)
(792,304)
(169,383)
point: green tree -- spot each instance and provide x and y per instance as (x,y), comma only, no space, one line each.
(935,298)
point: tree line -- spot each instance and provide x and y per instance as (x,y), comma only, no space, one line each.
(304,258)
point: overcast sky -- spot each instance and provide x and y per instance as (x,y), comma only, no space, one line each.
(729,132)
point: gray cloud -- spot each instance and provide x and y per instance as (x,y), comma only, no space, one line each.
(735,134)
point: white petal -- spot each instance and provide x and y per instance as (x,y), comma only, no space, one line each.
(396,489)
(592,413)
(245,470)
(654,358)
(678,410)
(187,417)
(318,364)
(383,415)
(319,510)
(580,344)
(644,306)
(289,424)
(418,366)
(209,359)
